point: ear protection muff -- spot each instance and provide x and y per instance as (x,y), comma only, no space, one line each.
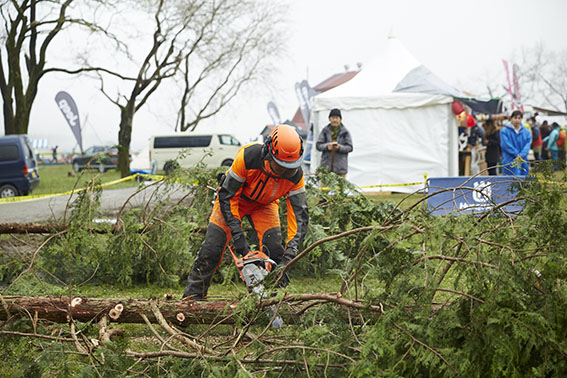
(266,147)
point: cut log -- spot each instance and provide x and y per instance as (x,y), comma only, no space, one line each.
(52,228)
(175,312)
(31,228)
(83,309)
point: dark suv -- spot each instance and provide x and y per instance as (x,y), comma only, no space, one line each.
(18,167)
(102,158)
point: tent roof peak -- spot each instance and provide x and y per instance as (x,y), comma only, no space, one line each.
(391,34)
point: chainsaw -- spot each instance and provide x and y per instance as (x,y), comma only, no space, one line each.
(253,268)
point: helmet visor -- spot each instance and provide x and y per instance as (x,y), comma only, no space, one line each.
(289,164)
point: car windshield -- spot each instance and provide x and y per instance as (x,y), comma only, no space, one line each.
(93,150)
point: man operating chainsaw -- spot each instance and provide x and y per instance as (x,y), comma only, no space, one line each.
(260,175)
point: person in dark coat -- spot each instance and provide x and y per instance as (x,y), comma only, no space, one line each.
(54,153)
(492,143)
(335,143)
(544,131)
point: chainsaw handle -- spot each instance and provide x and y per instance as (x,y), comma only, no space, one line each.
(251,257)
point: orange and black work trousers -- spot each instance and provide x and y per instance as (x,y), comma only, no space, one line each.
(265,221)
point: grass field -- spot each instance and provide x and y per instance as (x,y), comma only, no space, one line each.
(30,285)
(61,178)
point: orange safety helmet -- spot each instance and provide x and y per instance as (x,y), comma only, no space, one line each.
(284,146)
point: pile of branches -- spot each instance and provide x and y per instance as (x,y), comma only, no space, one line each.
(170,338)
(411,295)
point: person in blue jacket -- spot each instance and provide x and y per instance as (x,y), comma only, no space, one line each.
(515,141)
(551,143)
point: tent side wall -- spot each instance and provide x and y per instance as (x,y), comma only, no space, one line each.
(397,138)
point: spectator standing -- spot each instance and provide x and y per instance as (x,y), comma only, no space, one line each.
(515,141)
(335,143)
(561,146)
(492,143)
(537,140)
(551,142)
(476,137)
(54,154)
(544,130)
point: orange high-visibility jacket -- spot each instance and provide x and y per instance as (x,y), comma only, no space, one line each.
(249,179)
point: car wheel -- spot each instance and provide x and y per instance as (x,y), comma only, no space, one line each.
(227,163)
(101,168)
(76,167)
(8,190)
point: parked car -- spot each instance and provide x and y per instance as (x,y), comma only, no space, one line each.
(102,158)
(18,167)
(186,150)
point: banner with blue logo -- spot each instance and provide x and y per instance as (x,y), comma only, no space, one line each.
(474,195)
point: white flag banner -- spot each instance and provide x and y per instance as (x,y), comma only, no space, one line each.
(274,113)
(305,96)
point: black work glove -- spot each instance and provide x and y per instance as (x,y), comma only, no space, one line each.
(241,244)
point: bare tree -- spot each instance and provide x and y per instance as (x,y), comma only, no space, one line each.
(213,47)
(544,76)
(29,30)
(541,75)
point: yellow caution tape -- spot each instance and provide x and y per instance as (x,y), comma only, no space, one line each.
(392,185)
(43,196)
(105,185)
(553,182)
(159,177)
(388,185)
(379,186)
(151,177)
(27,198)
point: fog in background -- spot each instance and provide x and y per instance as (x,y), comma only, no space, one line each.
(462,42)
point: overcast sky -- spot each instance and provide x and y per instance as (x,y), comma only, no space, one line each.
(462,42)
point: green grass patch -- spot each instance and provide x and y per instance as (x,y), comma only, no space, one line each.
(31,285)
(61,178)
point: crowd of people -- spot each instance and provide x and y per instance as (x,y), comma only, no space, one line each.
(506,140)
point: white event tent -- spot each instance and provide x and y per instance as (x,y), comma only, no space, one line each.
(399,115)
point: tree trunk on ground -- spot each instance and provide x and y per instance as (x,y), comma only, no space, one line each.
(51,228)
(177,312)
(30,228)
(121,310)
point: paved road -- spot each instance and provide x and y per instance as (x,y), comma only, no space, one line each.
(54,208)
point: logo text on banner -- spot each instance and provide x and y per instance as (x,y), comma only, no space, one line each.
(473,195)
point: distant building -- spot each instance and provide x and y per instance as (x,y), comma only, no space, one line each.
(329,83)
(548,115)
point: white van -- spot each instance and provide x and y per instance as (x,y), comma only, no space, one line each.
(214,150)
